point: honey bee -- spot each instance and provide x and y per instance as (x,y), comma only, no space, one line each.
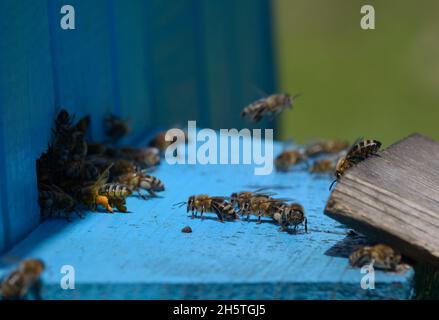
(269,106)
(242,199)
(288,158)
(326,146)
(290,215)
(204,203)
(261,206)
(54,199)
(115,128)
(382,256)
(116,194)
(225,210)
(359,151)
(83,124)
(138,180)
(23,279)
(89,194)
(322,166)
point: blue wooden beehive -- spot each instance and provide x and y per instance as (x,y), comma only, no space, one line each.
(160,64)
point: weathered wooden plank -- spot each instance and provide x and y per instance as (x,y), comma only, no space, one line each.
(394,198)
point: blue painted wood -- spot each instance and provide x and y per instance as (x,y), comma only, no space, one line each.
(82,60)
(157,63)
(26,109)
(128,44)
(144,255)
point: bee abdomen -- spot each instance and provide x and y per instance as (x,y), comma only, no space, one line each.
(115,190)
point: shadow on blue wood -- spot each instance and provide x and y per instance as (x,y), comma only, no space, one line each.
(156,63)
(26,103)
(144,255)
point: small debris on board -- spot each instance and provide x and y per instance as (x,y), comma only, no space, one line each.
(186,229)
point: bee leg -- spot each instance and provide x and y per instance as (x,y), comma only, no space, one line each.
(259,217)
(141,195)
(35,290)
(152,193)
(202,212)
(220,216)
(193,214)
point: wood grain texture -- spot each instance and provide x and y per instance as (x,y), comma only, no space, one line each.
(144,255)
(394,198)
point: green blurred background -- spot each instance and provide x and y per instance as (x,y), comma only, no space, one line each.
(380,83)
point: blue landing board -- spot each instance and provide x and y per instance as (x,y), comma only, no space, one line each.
(144,254)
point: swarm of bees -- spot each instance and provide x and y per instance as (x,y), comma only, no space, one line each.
(270,107)
(247,203)
(382,256)
(75,174)
(331,149)
(24,279)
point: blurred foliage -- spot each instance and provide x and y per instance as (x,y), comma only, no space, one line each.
(380,83)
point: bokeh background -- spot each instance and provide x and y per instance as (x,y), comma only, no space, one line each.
(381,83)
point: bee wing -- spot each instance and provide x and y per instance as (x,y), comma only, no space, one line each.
(102,179)
(220,198)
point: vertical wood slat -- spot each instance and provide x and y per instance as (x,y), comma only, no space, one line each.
(155,62)
(82,60)
(26,107)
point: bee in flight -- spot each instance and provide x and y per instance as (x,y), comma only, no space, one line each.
(360,150)
(382,256)
(22,280)
(290,215)
(270,106)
